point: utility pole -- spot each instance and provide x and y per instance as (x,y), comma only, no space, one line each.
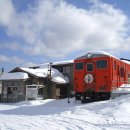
(48,79)
(2,71)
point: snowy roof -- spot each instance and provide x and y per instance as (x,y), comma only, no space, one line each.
(13,76)
(63,62)
(128,62)
(99,53)
(36,72)
(57,76)
(53,63)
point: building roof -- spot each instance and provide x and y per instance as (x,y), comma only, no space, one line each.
(52,64)
(56,76)
(63,62)
(14,76)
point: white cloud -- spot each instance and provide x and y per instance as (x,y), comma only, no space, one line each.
(4,58)
(10,45)
(55,28)
(15,60)
(6,12)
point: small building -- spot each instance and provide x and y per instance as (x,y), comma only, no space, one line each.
(67,69)
(43,82)
(13,86)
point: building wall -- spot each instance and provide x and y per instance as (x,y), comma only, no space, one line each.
(13,91)
(39,81)
(57,91)
(67,70)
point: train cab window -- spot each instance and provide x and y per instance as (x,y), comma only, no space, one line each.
(101,64)
(89,66)
(79,66)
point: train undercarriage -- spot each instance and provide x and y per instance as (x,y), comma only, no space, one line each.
(92,96)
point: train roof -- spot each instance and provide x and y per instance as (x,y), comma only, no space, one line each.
(128,62)
(93,54)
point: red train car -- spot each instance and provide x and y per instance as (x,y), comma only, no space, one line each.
(96,74)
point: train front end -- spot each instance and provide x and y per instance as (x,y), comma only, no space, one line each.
(92,76)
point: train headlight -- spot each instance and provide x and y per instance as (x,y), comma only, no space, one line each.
(88,78)
(89,55)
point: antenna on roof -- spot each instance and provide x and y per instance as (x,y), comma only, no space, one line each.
(124,59)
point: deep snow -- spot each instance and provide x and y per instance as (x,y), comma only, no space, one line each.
(59,115)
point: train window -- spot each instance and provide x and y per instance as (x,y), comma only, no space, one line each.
(122,72)
(89,66)
(101,64)
(79,66)
(115,65)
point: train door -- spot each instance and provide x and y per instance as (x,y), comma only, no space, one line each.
(122,75)
(79,76)
(103,75)
(118,75)
(115,74)
(90,75)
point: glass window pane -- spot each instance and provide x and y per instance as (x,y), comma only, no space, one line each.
(101,64)
(79,66)
(90,67)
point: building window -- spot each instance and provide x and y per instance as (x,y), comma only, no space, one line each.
(79,66)
(89,66)
(66,69)
(10,90)
(15,88)
(101,64)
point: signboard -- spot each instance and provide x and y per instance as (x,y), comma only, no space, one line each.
(31,91)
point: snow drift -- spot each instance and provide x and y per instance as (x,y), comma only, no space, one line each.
(59,115)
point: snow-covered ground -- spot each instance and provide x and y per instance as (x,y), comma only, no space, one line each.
(59,115)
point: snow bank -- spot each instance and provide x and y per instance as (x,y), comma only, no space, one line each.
(59,115)
(122,90)
(125,88)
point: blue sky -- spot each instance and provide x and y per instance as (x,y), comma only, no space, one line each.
(40,31)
